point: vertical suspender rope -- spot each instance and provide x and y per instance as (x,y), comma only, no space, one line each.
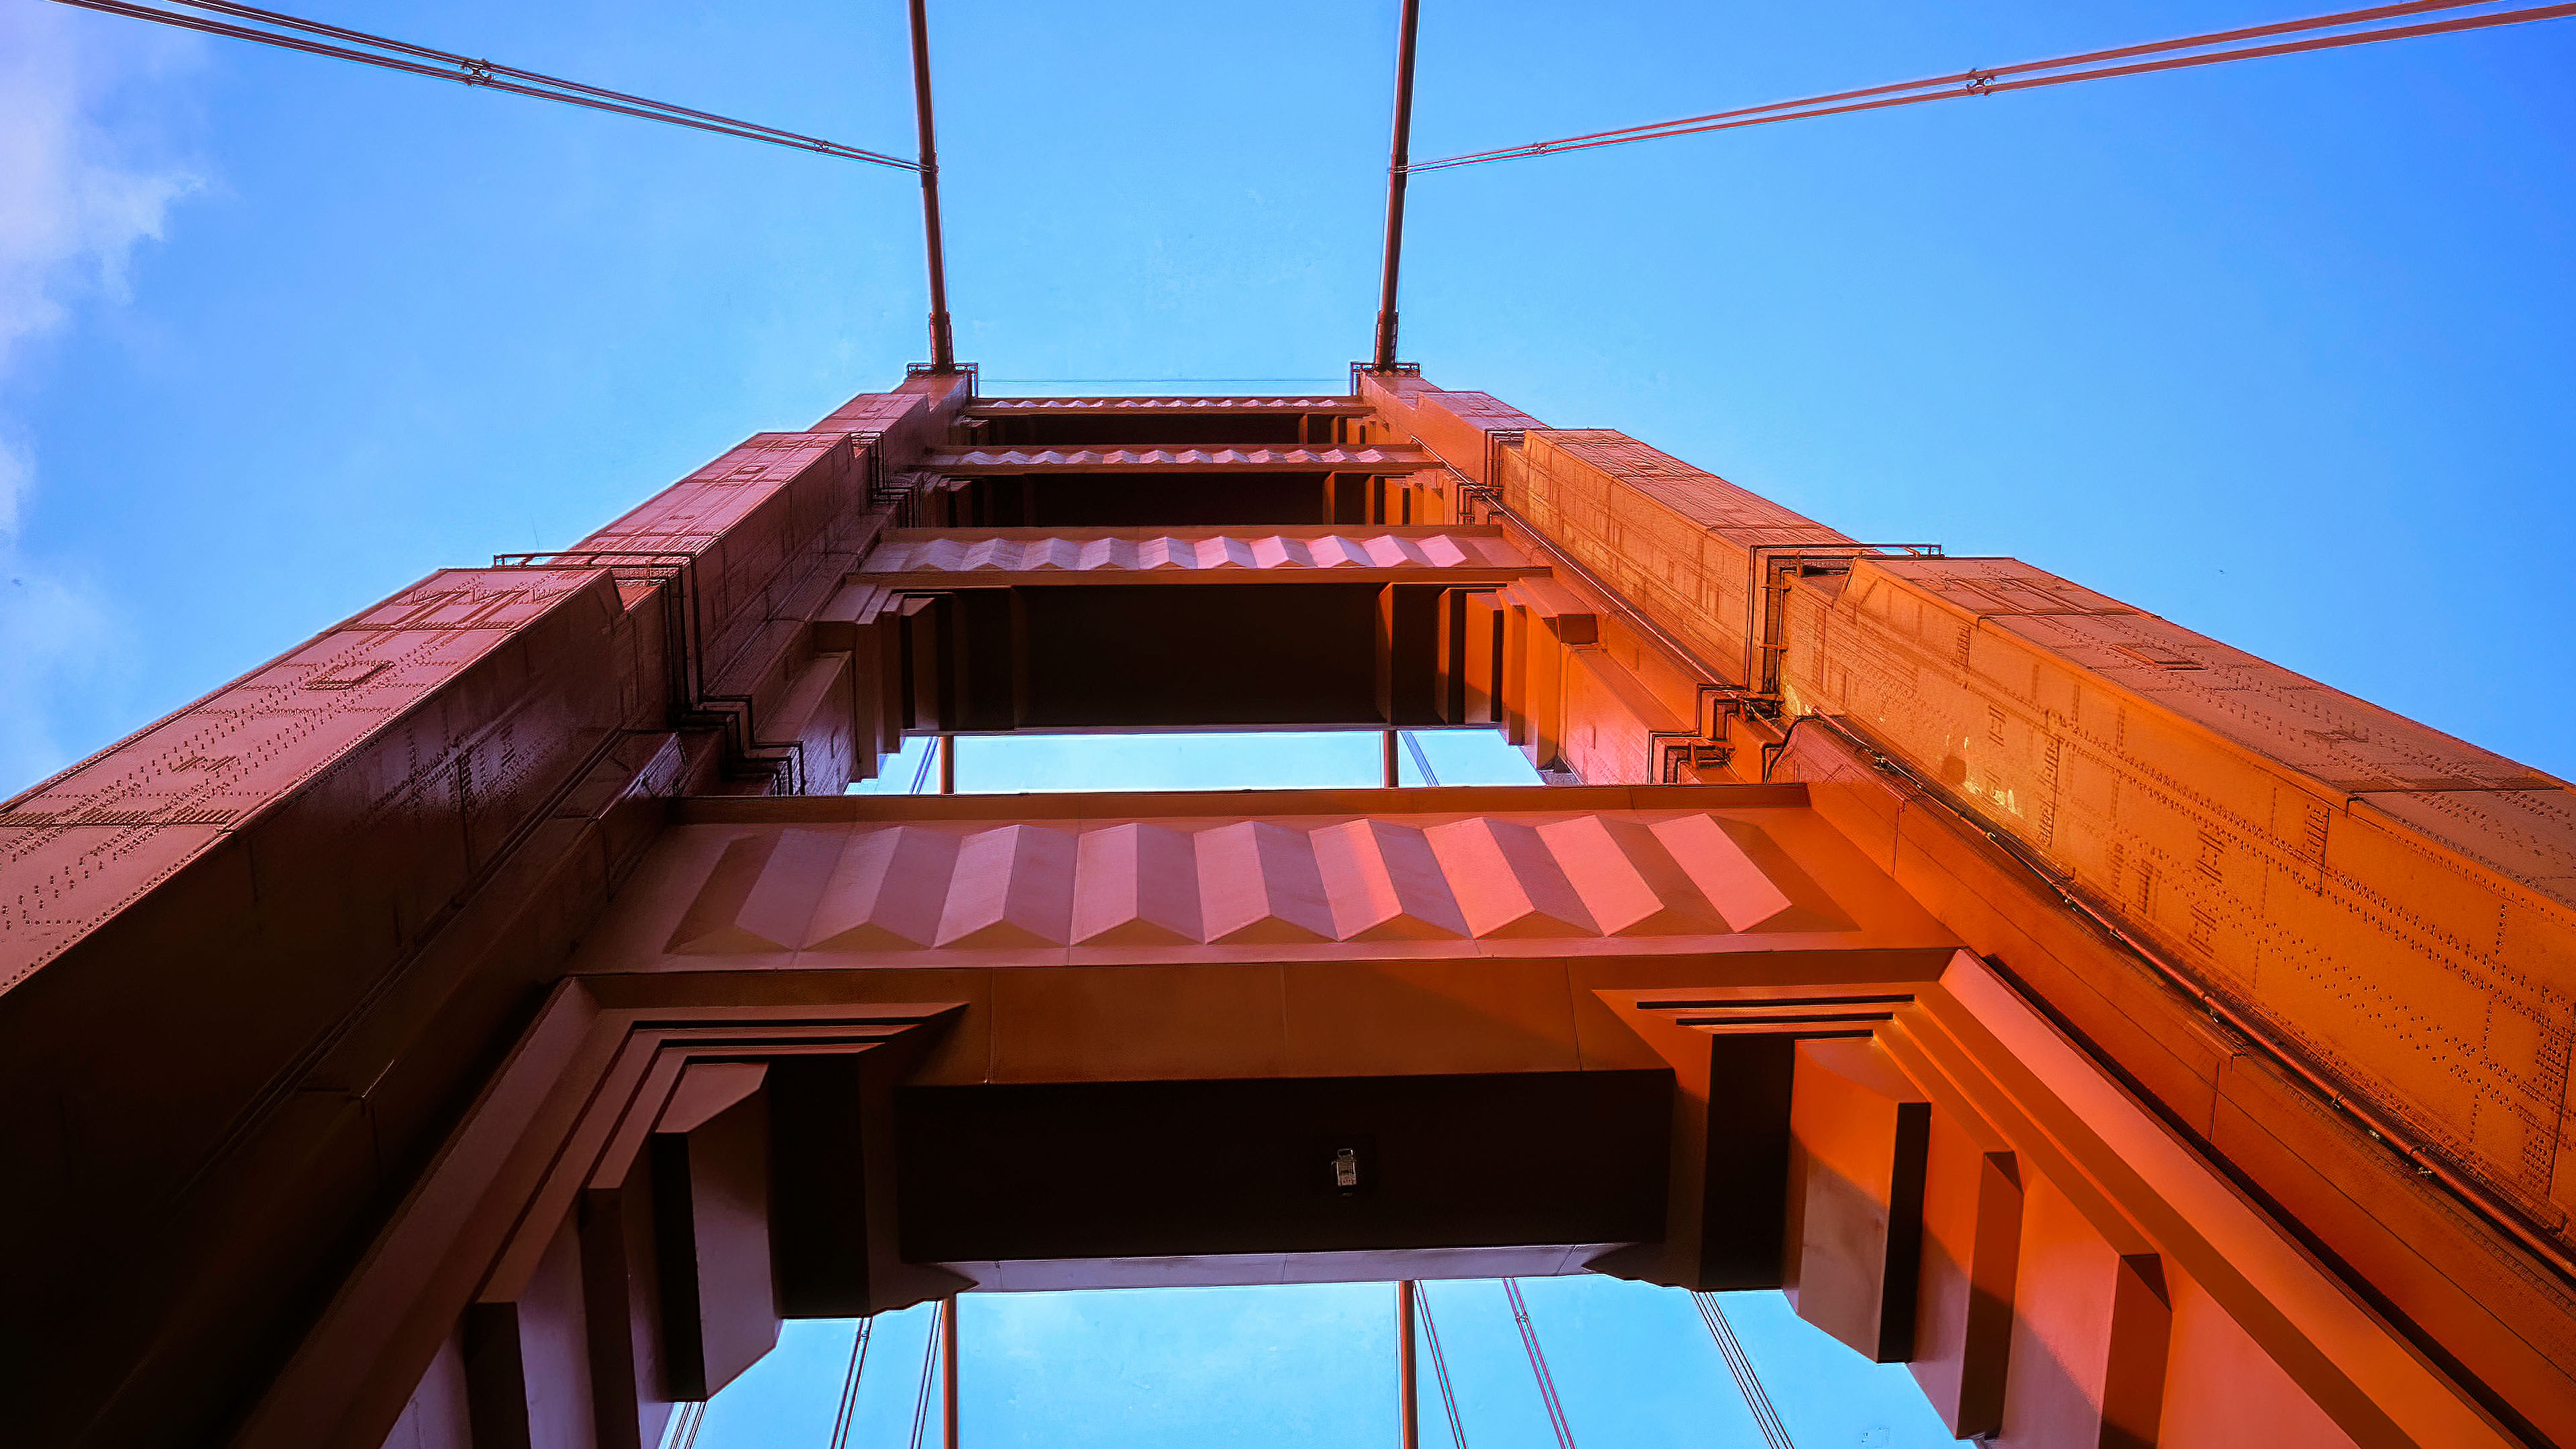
(684,1425)
(1400,154)
(948,1374)
(1421,761)
(1538,1365)
(850,1386)
(943,352)
(1440,1366)
(1408,1379)
(1739,1363)
(929,1365)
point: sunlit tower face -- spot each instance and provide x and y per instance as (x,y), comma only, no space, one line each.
(499,1018)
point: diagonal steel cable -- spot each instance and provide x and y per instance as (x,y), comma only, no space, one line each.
(929,1366)
(1739,1363)
(1538,1365)
(2063,70)
(1440,1366)
(289,32)
(850,1385)
(683,1431)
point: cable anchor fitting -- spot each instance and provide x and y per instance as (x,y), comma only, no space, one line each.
(1980,82)
(477,72)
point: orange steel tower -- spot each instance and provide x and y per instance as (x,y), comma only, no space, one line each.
(485,1023)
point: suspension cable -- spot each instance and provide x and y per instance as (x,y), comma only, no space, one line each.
(850,1385)
(683,1432)
(929,762)
(2030,75)
(1440,1366)
(929,1364)
(1740,1364)
(288,32)
(1538,1365)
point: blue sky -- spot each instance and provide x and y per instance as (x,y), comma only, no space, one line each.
(2280,350)
(1223,760)
(2284,351)
(1193,1368)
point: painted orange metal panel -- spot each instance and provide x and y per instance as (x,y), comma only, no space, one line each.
(2401,905)
(1479,647)
(622,1297)
(973,462)
(437,1416)
(1859,1133)
(1176,555)
(1972,1209)
(1453,425)
(1678,542)
(360,717)
(2089,1335)
(2221,1388)
(2511,1322)
(1112,404)
(2144,1191)
(527,1359)
(1611,721)
(709,1163)
(2390,1225)
(1388,877)
(2271,833)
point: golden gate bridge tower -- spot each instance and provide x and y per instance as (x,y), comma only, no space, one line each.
(483,1025)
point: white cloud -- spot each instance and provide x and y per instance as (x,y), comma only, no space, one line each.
(81,185)
(76,194)
(56,636)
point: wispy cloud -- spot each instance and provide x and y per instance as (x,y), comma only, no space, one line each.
(85,178)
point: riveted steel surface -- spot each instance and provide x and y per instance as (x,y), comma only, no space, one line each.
(1679,542)
(256,952)
(2395,901)
(263,959)
(344,713)
(1460,427)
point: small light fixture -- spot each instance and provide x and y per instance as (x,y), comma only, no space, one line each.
(1346,1168)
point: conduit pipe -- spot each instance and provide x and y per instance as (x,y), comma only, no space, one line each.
(1710,681)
